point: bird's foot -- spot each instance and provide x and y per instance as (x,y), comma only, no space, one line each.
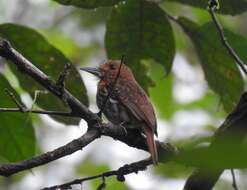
(122,126)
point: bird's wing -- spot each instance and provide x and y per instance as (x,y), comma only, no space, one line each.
(135,99)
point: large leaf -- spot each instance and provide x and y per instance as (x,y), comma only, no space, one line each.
(162,93)
(226,6)
(220,70)
(50,60)
(90,19)
(89,4)
(163,98)
(140,30)
(173,170)
(16,130)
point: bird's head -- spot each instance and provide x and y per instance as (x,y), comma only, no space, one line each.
(109,71)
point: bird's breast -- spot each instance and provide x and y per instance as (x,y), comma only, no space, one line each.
(114,110)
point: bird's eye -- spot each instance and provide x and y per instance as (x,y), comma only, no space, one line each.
(112,67)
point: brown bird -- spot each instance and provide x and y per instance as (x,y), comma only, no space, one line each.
(128,104)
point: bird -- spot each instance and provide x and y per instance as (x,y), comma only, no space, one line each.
(124,102)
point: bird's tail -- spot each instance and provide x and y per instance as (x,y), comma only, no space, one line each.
(151,145)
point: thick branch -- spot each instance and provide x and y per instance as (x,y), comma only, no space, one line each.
(73,146)
(116,132)
(228,141)
(96,128)
(234,123)
(202,178)
(25,66)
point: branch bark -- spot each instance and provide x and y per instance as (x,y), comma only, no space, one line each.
(224,41)
(18,110)
(235,122)
(26,67)
(75,145)
(229,136)
(120,173)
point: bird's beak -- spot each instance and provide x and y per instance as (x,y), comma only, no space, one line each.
(94,71)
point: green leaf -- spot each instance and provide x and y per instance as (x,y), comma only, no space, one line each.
(173,170)
(70,48)
(90,19)
(48,59)
(162,93)
(140,30)
(140,71)
(163,98)
(226,6)
(16,130)
(89,4)
(220,70)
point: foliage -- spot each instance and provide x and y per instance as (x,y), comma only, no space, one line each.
(217,64)
(50,60)
(150,37)
(226,6)
(142,31)
(16,130)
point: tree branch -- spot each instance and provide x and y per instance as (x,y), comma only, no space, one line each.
(236,121)
(26,67)
(223,39)
(234,181)
(116,132)
(95,125)
(17,103)
(23,109)
(231,51)
(14,110)
(120,173)
(75,145)
(228,140)
(202,178)
(62,77)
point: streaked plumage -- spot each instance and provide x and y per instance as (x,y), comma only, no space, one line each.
(128,104)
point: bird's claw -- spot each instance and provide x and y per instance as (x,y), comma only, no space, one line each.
(122,126)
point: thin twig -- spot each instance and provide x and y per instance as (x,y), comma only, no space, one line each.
(111,87)
(14,110)
(23,109)
(62,77)
(103,184)
(223,38)
(171,17)
(220,30)
(20,106)
(120,173)
(234,181)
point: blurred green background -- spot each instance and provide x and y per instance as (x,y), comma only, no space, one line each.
(190,78)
